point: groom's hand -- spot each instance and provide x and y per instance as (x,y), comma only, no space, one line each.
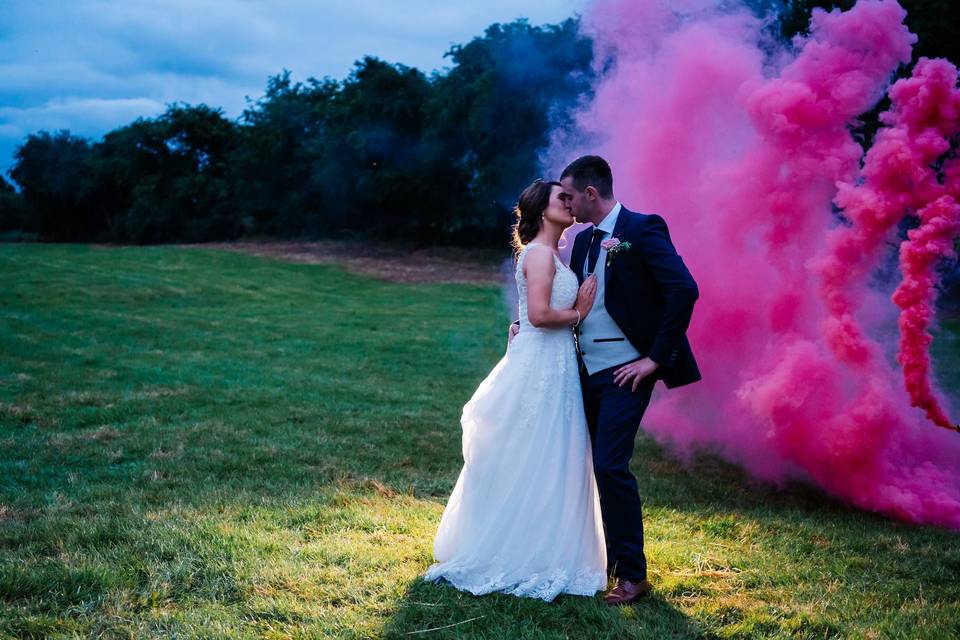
(633,372)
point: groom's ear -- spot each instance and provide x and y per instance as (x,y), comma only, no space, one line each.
(591,193)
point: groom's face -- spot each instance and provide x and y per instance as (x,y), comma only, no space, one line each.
(576,200)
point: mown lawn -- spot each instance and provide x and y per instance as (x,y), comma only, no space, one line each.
(204,444)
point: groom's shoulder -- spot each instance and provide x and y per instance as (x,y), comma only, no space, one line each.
(641,221)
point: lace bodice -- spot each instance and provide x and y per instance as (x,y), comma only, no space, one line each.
(562,295)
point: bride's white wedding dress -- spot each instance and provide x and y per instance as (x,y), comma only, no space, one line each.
(524,516)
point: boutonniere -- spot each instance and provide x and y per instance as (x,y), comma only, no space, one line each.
(614,247)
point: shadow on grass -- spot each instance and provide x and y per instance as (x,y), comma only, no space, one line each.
(441,611)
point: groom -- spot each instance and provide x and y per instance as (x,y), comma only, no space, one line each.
(633,336)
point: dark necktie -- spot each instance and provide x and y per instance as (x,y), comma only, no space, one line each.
(594,250)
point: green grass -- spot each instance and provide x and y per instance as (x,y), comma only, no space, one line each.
(202,444)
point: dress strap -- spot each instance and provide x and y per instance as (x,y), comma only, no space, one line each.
(540,244)
(556,258)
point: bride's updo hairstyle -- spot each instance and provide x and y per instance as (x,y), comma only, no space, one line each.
(530,207)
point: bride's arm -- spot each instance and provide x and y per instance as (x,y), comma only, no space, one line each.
(539,269)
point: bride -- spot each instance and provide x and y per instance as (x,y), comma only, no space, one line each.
(524,516)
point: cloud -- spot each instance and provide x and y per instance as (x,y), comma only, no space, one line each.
(94,113)
(92,65)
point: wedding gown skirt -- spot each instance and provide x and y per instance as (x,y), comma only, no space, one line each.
(524,516)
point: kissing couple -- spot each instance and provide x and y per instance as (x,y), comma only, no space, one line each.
(546,503)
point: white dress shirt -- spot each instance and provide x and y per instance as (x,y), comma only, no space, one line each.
(602,342)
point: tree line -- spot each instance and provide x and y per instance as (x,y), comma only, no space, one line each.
(388,152)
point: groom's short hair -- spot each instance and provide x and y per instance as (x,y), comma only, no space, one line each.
(590,170)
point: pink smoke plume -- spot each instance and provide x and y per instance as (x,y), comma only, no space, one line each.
(933,240)
(745,154)
(927,108)
(897,178)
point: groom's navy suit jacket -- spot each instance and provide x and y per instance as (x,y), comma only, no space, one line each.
(649,293)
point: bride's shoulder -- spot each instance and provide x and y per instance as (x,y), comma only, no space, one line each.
(538,249)
(538,256)
(534,245)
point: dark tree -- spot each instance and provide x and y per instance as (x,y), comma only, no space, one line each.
(53,171)
(167,179)
(371,162)
(12,216)
(275,190)
(492,113)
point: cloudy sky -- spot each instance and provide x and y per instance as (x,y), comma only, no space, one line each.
(91,65)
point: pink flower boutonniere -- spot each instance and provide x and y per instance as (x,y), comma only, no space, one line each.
(614,247)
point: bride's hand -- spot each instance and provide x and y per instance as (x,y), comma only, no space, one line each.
(586,296)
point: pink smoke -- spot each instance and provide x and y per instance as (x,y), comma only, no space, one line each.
(926,108)
(745,158)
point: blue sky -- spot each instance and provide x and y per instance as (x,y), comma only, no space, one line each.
(91,65)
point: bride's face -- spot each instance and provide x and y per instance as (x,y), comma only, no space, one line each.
(558,210)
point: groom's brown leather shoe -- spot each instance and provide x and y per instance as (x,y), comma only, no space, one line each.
(627,592)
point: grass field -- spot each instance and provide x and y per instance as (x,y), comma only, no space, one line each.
(205,444)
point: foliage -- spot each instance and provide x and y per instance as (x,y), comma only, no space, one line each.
(167,178)
(496,107)
(387,152)
(11,209)
(53,171)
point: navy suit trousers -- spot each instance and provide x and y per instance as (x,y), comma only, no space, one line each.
(613,417)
